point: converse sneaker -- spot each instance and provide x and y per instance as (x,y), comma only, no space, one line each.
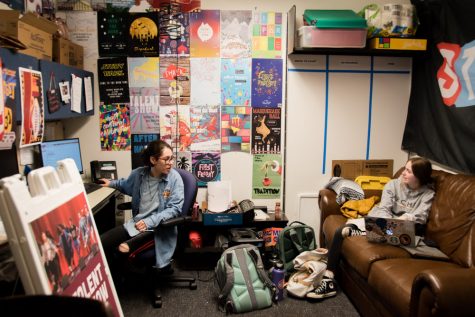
(350,231)
(326,289)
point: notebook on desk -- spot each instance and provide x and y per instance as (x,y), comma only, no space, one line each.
(391,231)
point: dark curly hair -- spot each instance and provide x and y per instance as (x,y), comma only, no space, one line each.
(154,148)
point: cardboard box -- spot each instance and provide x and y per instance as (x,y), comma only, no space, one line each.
(68,53)
(395,43)
(351,169)
(36,33)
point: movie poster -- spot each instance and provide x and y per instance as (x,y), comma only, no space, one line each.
(139,141)
(32,107)
(204,32)
(267,35)
(205,128)
(236,82)
(206,167)
(142,34)
(267,176)
(69,248)
(143,71)
(184,161)
(115,127)
(206,83)
(236,129)
(144,110)
(175,126)
(236,33)
(113,80)
(174,81)
(175,36)
(111,33)
(266,130)
(266,83)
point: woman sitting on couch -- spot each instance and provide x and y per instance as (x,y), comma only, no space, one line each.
(408,197)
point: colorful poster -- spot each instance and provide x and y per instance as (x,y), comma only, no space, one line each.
(180,5)
(183,161)
(115,127)
(142,34)
(206,167)
(267,35)
(175,126)
(205,131)
(236,34)
(266,83)
(32,107)
(204,33)
(111,33)
(174,81)
(175,35)
(267,176)
(235,129)
(266,130)
(69,247)
(236,82)
(113,80)
(2,103)
(143,71)
(139,141)
(144,110)
(206,84)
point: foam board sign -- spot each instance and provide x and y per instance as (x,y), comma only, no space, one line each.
(53,235)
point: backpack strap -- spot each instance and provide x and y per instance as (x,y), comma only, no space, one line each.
(296,241)
(262,273)
(241,258)
(228,264)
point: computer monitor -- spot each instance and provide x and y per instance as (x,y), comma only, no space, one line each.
(57,150)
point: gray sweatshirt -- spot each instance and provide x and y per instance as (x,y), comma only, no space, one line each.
(398,200)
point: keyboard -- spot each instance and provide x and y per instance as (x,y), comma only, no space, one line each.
(91,187)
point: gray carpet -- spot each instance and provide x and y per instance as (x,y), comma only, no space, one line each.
(180,301)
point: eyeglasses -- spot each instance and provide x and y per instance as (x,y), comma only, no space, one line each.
(167,160)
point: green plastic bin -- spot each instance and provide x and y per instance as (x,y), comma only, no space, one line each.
(334,19)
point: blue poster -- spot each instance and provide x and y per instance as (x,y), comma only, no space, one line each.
(236,82)
(266,83)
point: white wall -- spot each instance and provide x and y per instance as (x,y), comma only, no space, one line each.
(305,110)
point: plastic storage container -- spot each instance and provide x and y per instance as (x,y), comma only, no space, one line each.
(332,28)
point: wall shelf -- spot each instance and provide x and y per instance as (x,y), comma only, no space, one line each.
(293,50)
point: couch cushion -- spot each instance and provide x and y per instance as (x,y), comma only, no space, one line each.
(451,220)
(392,280)
(361,254)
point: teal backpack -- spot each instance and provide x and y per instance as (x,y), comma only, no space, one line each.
(243,282)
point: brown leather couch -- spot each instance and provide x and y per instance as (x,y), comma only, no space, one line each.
(384,280)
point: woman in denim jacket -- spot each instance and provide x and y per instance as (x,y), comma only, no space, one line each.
(157,195)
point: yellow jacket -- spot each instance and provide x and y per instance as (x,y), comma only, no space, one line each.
(356,208)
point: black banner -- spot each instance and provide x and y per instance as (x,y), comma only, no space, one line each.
(441,118)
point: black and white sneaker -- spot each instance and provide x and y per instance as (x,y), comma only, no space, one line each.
(327,288)
(352,230)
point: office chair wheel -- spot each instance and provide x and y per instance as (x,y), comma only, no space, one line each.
(157,303)
(193,286)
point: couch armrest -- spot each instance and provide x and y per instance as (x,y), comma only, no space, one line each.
(443,292)
(328,206)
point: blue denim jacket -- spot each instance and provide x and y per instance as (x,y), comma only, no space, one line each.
(171,193)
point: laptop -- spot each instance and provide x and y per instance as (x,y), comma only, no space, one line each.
(392,231)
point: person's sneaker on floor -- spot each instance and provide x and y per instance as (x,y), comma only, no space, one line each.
(325,289)
(351,231)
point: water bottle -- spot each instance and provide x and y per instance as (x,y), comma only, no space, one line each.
(278,278)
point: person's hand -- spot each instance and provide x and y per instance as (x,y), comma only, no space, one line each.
(141,226)
(104,182)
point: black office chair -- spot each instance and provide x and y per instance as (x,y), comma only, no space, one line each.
(144,255)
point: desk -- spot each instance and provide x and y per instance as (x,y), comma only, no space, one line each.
(102,203)
(207,256)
